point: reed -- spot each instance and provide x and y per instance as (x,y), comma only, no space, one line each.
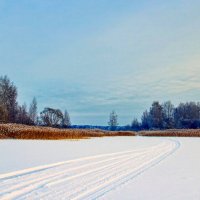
(17,131)
(172,133)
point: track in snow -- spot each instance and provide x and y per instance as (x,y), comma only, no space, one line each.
(84,178)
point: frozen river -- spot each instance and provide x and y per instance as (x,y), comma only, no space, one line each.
(105,168)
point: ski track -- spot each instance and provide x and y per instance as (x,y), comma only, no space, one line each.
(84,178)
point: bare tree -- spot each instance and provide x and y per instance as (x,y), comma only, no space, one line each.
(66,122)
(3,114)
(51,117)
(8,99)
(168,115)
(113,120)
(145,120)
(22,115)
(156,115)
(33,111)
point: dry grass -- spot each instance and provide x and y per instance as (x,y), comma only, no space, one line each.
(2,136)
(122,133)
(172,133)
(16,131)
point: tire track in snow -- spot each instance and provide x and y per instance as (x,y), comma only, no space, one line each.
(84,178)
(19,189)
(101,190)
(48,179)
(92,184)
(44,167)
(68,168)
(96,179)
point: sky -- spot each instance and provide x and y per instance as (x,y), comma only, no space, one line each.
(91,57)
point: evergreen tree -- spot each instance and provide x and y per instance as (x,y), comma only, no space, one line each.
(113,121)
(135,125)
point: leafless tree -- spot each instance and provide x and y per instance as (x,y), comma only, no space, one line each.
(51,117)
(168,115)
(66,122)
(3,114)
(33,111)
(156,115)
(22,115)
(8,99)
(145,120)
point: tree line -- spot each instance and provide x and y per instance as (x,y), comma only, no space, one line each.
(12,112)
(163,116)
(158,116)
(167,116)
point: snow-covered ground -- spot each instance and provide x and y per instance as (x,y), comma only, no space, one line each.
(104,168)
(175,178)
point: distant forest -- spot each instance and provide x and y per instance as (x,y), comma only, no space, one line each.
(158,116)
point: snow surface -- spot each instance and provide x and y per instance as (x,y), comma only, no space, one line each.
(175,178)
(21,154)
(104,168)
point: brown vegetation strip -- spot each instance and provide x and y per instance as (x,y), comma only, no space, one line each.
(172,133)
(16,131)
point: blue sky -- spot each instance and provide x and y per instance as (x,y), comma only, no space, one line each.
(92,57)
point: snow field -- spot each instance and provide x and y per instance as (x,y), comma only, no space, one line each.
(84,178)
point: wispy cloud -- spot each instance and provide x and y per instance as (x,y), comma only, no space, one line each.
(122,55)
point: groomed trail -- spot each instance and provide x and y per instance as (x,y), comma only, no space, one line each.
(84,178)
